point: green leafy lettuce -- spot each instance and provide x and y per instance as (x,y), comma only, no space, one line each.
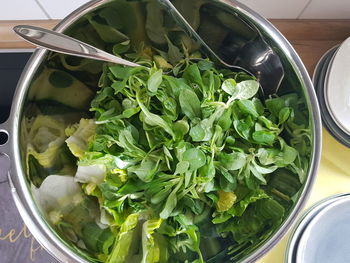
(178,158)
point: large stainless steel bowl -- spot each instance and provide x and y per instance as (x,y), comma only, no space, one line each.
(295,76)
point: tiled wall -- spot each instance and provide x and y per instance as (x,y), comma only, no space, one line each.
(56,9)
(37,9)
(308,9)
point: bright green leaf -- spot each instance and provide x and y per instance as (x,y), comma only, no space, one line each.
(190,103)
(195,157)
(230,87)
(232,161)
(155,80)
(247,89)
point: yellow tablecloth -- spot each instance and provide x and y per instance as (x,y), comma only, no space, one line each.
(333,178)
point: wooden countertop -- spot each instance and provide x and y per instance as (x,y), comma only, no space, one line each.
(310,38)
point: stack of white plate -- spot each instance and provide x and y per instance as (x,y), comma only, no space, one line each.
(322,235)
(332,84)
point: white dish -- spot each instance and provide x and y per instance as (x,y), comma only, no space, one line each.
(303,222)
(337,87)
(321,63)
(326,238)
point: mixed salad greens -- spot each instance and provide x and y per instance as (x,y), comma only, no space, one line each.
(177,161)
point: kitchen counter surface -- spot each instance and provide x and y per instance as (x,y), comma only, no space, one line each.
(310,38)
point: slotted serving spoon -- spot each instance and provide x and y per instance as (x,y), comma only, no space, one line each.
(256,57)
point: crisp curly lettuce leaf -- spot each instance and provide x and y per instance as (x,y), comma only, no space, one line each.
(108,160)
(150,248)
(46,136)
(80,135)
(94,168)
(91,174)
(57,196)
(124,239)
(66,207)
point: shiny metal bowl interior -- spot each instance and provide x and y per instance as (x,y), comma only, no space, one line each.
(295,76)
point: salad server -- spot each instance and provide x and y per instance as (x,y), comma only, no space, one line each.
(256,57)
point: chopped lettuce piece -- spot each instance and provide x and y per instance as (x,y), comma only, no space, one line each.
(46,136)
(78,141)
(57,196)
(124,239)
(108,160)
(150,248)
(226,201)
(90,174)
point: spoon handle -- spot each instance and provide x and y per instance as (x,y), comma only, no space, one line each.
(61,43)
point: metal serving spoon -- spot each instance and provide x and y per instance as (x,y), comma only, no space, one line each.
(255,58)
(61,43)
